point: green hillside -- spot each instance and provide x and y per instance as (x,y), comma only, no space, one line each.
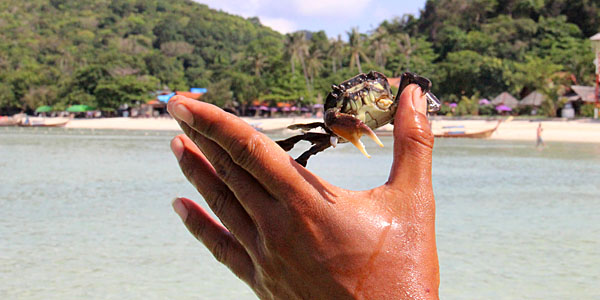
(104,53)
(108,52)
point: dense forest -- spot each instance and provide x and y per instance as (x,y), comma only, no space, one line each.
(105,53)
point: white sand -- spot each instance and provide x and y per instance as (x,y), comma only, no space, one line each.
(566,131)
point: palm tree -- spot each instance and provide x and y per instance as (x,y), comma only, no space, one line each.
(259,62)
(335,52)
(356,43)
(290,48)
(297,49)
(314,64)
(380,46)
(406,48)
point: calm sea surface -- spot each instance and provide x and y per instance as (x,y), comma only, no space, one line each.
(87,214)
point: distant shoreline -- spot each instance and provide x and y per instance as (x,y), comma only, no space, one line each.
(522,130)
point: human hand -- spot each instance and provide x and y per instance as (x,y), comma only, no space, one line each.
(291,235)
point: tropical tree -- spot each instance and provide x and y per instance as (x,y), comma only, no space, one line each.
(314,64)
(297,49)
(407,47)
(259,61)
(380,45)
(356,46)
(336,52)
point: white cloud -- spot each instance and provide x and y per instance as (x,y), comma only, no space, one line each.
(253,8)
(342,9)
(279,24)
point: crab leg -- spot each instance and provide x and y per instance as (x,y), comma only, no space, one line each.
(316,148)
(320,142)
(351,129)
(306,127)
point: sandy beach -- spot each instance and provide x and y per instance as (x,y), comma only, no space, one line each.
(584,131)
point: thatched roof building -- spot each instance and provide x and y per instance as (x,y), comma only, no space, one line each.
(583,93)
(534,98)
(505,99)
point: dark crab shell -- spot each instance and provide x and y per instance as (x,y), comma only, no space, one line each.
(354,108)
(367,97)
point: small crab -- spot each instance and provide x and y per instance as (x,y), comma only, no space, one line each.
(355,107)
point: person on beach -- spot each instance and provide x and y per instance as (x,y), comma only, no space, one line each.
(540,141)
(291,235)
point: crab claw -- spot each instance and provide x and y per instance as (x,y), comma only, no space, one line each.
(351,129)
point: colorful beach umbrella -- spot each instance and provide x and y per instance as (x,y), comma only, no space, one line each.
(79,108)
(165,98)
(43,109)
(501,108)
(484,101)
(153,102)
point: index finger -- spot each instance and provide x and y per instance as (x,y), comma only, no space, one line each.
(278,173)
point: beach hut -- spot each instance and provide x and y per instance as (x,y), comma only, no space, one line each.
(505,99)
(582,93)
(534,99)
(579,96)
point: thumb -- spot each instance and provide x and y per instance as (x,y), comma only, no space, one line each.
(413,141)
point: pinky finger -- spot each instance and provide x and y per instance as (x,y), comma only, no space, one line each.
(216,238)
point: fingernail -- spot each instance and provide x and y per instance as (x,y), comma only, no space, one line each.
(182,113)
(180,208)
(419,101)
(177,148)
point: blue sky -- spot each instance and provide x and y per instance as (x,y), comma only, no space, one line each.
(333,16)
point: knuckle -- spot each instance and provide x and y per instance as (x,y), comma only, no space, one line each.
(197,229)
(210,129)
(191,133)
(224,167)
(219,250)
(246,151)
(421,136)
(219,201)
(188,169)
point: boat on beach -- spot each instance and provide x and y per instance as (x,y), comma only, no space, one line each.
(41,122)
(460,132)
(7,121)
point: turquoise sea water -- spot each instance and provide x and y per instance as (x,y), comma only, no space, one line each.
(86,214)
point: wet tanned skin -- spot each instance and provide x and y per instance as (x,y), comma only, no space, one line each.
(291,235)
